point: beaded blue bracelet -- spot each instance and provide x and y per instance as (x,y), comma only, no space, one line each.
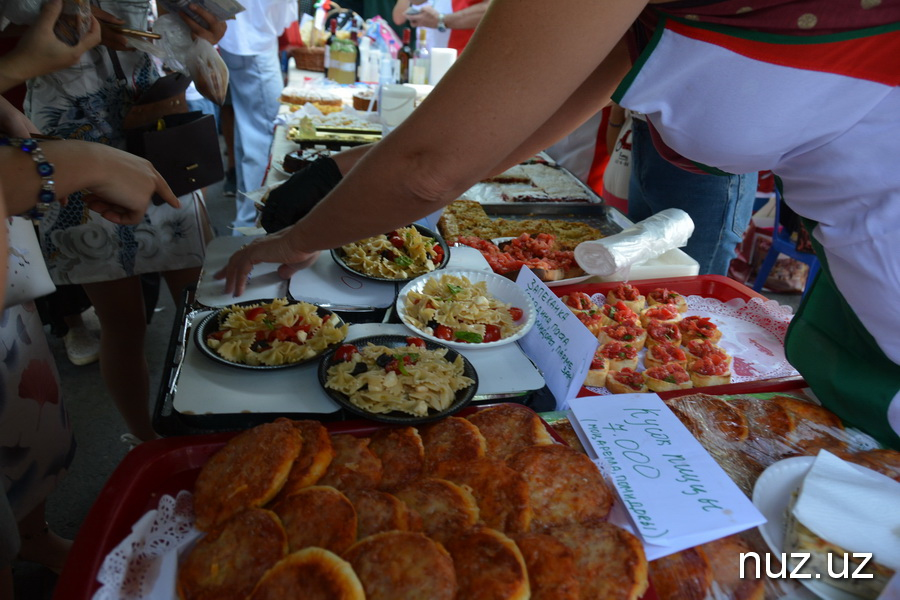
(47,194)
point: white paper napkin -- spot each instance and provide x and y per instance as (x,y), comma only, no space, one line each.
(856,509)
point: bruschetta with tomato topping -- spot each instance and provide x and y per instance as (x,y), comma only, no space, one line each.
(579,301)
(618,313)
(659,355)
(667,296)
(666,378)
(699,348)
(626,381)
(659,332)
(712,370)
(619,355)
(628,334)
(699,328)
(667,313)
(628,294)
(596,376)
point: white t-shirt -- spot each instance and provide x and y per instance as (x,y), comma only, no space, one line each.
(256,29)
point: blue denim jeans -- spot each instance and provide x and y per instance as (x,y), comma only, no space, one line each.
(254,87)
(720,205)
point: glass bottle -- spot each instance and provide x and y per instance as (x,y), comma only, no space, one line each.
(422,67)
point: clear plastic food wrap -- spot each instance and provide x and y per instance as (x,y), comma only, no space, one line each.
(73,22)
(667,229)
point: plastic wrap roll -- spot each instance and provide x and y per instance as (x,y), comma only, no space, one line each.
(667,229)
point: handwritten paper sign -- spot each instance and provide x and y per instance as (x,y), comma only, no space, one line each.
(560,346)
(676,494)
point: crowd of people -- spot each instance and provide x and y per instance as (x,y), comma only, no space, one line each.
(99,230)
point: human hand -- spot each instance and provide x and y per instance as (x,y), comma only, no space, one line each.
(214,30)
(13,123)
(39,51)
(110,35)
(274,248)
(121,185)
(427,17)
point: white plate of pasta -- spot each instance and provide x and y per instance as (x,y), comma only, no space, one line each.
(398,379)
(399,256)
(269,334)
(466,309)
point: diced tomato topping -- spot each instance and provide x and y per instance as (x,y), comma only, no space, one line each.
(711,365)
(262,335)
(623,332)
(516,313)
(345,353)
(699,325)
(702,348)
(443,333)
(618,351)
(415,341)
(438,253)
(667,352)
(599,362)
(663,332)
(626,291)
(491,333)
(663,312)
(284,333)
(393,365)
(579,301)
(630,377)
(664,296)
(396,242)
(254,312)
(673,373)
(216,335)
(620,313)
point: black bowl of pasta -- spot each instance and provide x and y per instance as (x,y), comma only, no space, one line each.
(264,335)
(398,256)
(398,379)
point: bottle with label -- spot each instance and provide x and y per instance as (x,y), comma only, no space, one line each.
(328,44)
(354,41)
(342,59)
(405,56)
(422,65)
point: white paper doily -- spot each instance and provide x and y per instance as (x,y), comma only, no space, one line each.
(144,564)
(752,333)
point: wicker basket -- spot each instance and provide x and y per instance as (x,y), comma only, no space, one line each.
(309,59)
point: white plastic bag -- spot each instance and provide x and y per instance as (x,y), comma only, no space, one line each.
(196,58)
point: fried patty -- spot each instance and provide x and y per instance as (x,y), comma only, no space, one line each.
(354,467)
(318,516)
(501,492)
(610,562)
(446,509)
(402,456)
(452,438)
(507,428)
(551,567)
(564,485)
(228,561)
(378,511)
(684,575)
(489,566)
(247,472)
(313,460)
(403,565)
(311,574)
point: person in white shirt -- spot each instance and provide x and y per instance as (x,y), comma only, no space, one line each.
(250,49)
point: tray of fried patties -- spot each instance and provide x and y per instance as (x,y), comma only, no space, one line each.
(489,503)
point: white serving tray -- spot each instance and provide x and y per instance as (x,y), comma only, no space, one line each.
(204,387)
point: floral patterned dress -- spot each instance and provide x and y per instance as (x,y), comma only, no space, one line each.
(36,443)
(87,102)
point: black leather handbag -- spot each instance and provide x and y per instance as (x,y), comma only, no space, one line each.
(183,146)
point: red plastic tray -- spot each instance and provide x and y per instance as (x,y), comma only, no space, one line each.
(148,472)
(709,286)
